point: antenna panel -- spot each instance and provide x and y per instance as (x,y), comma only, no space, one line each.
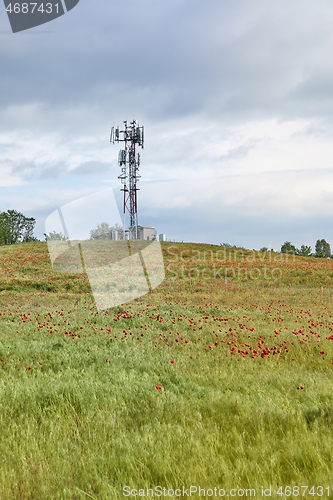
(138,135)
(122,157)
(112,135)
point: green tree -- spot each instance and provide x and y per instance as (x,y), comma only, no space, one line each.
(304,251)
(323,249)
(104,231)
(16,228)
(287,247)
(54,236)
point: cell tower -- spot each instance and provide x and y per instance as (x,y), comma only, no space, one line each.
(129,161)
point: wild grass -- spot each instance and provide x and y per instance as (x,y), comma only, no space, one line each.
(245,367)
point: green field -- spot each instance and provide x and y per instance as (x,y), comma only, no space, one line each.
(219,378)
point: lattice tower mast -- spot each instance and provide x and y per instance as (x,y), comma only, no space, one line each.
(129,161)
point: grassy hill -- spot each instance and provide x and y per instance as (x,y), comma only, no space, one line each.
(221,377)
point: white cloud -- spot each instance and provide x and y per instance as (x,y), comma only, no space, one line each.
(7,178)
(286,193)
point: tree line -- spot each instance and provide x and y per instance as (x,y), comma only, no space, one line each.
(17,228)
(102,232)
(322,249)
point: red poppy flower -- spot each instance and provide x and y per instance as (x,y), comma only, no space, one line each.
(158,387)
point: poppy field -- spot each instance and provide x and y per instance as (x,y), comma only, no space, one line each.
(220,377)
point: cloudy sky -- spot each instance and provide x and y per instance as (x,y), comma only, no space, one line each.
(236,97)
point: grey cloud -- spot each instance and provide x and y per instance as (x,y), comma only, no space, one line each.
(91,167)
(231,60)
(239,152)
(32,170)
(314,96)
(180,53)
